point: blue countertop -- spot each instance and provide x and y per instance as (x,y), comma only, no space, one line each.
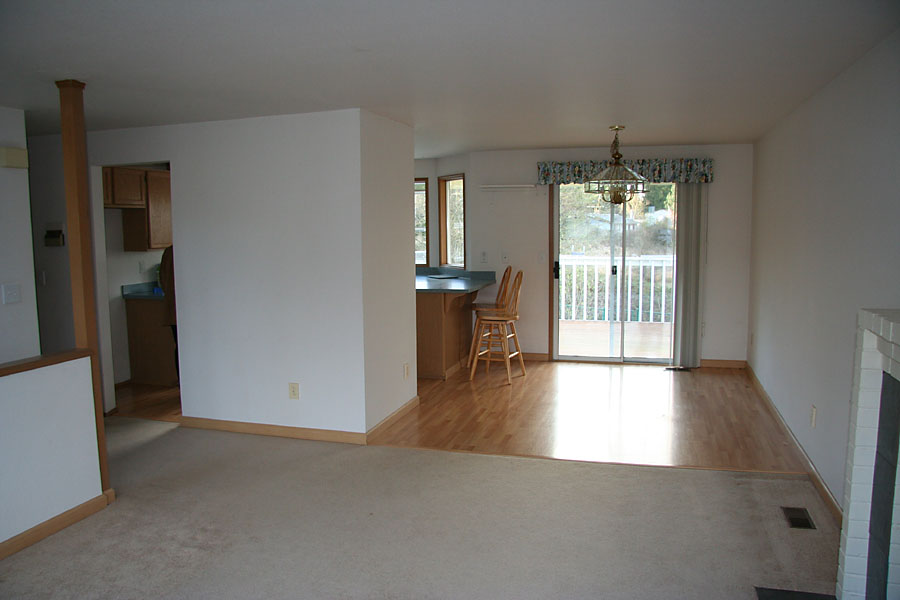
(434,280)
(148,290)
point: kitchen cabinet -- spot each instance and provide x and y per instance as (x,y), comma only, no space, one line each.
(151,346)
(124,187)
(150,227)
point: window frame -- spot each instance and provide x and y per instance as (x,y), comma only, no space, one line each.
(443,180)
(424,180)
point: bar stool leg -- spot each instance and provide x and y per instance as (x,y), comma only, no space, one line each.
(475,345)
(515,337)
(479,330)
(504,342)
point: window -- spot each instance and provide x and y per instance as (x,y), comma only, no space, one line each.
(452,198)
(421,221)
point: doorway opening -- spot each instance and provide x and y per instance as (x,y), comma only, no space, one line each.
(138,226)
(615,275)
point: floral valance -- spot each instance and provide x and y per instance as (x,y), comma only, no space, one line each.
(657,170)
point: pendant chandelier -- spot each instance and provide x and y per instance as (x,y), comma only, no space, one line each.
(617,184)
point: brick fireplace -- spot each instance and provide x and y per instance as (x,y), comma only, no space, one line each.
(872,425)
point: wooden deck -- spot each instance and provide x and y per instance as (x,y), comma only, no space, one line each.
(591,339)
(707,418)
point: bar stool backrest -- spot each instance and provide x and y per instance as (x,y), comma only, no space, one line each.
(503,290)
(512,304)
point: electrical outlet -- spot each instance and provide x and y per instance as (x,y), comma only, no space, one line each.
(12,293)
(812,417)
(483,256)
(405,370)
(294,391)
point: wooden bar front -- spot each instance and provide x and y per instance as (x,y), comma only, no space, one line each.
(443,332)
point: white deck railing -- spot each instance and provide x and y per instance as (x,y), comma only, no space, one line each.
(646,295)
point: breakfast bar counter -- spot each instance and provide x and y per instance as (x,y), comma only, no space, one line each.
(443,317)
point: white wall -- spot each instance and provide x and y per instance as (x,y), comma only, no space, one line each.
(48,444)
(51,263)
(123,268)
(268,278)
(825,244)
(18,321)
(269,273)
(388,265)
(517,222)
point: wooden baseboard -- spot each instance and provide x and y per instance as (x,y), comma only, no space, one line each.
(301,433)
(812,473)
(110,495)
(454,368)
(723,364)
(393,417)
(51,526)
(536,356)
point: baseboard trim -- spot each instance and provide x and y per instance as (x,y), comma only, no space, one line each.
(812,473)
(300,433)
(536,356)
(453,368)
(110,495)
(52,525)
(723,364)
(392,418)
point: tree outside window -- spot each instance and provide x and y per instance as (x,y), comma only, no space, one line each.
(420,196)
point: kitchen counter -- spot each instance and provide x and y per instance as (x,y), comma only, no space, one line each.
(148,290)
(444,318)
(462,282)
(151,347)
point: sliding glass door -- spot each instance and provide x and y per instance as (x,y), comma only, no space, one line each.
(615,276)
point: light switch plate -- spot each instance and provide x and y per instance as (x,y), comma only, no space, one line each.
(12,293)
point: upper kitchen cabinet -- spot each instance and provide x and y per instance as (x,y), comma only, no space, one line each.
(159,210)
(146,225)
(124,187)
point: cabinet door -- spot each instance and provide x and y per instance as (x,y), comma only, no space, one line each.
(159,209)
(107,187)
(128,187)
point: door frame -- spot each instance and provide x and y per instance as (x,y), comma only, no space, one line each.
(553,302)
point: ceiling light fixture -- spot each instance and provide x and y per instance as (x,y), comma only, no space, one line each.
(617,184)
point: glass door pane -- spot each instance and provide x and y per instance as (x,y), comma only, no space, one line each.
(649,275)
(587,324)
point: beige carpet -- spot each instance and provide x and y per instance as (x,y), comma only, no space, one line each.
(204,514)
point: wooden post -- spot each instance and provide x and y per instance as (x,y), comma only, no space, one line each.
(81,260)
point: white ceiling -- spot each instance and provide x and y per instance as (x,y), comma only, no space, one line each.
(467,74)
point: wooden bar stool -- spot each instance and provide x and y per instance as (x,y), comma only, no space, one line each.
(485,307)
(495,330)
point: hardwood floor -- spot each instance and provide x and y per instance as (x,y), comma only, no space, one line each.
(155,402)
(706,418)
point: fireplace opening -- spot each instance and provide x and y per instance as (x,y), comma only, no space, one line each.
(883,485)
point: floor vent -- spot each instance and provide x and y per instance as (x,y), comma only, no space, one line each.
(798,518)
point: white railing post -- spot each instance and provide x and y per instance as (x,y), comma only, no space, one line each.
(629,287)
(641,291)
(584,293)
(662,312)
